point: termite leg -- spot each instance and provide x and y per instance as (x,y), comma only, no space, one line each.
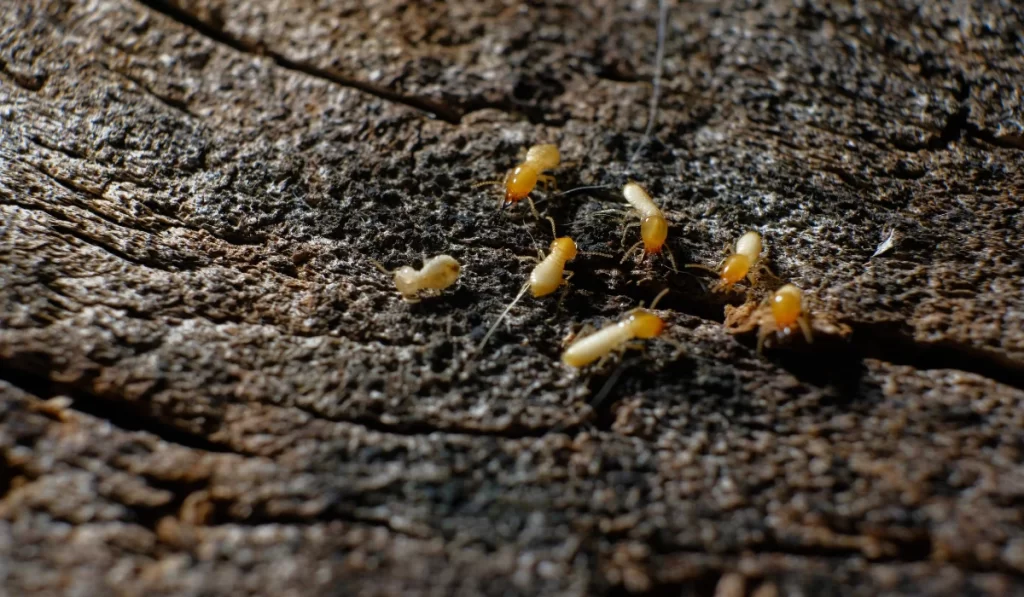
(672,258)
(805,327)
(680,350)
(603,361)
(533,208)
(753,276)
(548,181)
(721,286)
(585,331)
(762,270)
(638,245)
(380,266)
(565,291)
(625,231)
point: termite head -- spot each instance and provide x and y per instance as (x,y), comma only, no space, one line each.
(407,280)
(564,246)
(787,306)
(645,324)
(520,182)
(654,231)
(735,269)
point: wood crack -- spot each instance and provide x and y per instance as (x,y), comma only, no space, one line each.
(31,374)
(893,344)
(432,107)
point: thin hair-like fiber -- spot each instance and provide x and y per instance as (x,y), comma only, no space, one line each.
(659,61)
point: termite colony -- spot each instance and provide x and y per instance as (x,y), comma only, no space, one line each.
(781,315)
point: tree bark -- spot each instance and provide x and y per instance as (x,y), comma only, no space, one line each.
(206,388)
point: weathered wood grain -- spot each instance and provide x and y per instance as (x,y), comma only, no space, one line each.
(207,389)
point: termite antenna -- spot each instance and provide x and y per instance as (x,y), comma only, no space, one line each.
(554,231)
(699,266)
(502,316)
(587,188)
(570,192)
(533,241)
(660,296)
(659,60)
(654,303)
(598,253)
(380,266)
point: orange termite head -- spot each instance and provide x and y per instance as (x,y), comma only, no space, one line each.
(646,324)
(654,231)
(787,306)
(520,183)
(565,246)
(735,268)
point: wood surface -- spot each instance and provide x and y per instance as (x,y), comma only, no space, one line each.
(206,388)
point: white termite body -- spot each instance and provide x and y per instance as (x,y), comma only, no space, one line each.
(590,348)
(437,273)
(749,245)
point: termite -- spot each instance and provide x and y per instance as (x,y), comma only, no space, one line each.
(653,225)
(785,312)
(545,278)
(520,181)
(740,264)
(639,323)
(437,273)
(780,314)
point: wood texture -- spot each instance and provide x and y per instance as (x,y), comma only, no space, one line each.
(207,389)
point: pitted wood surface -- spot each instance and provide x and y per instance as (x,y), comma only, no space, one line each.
(207,389)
